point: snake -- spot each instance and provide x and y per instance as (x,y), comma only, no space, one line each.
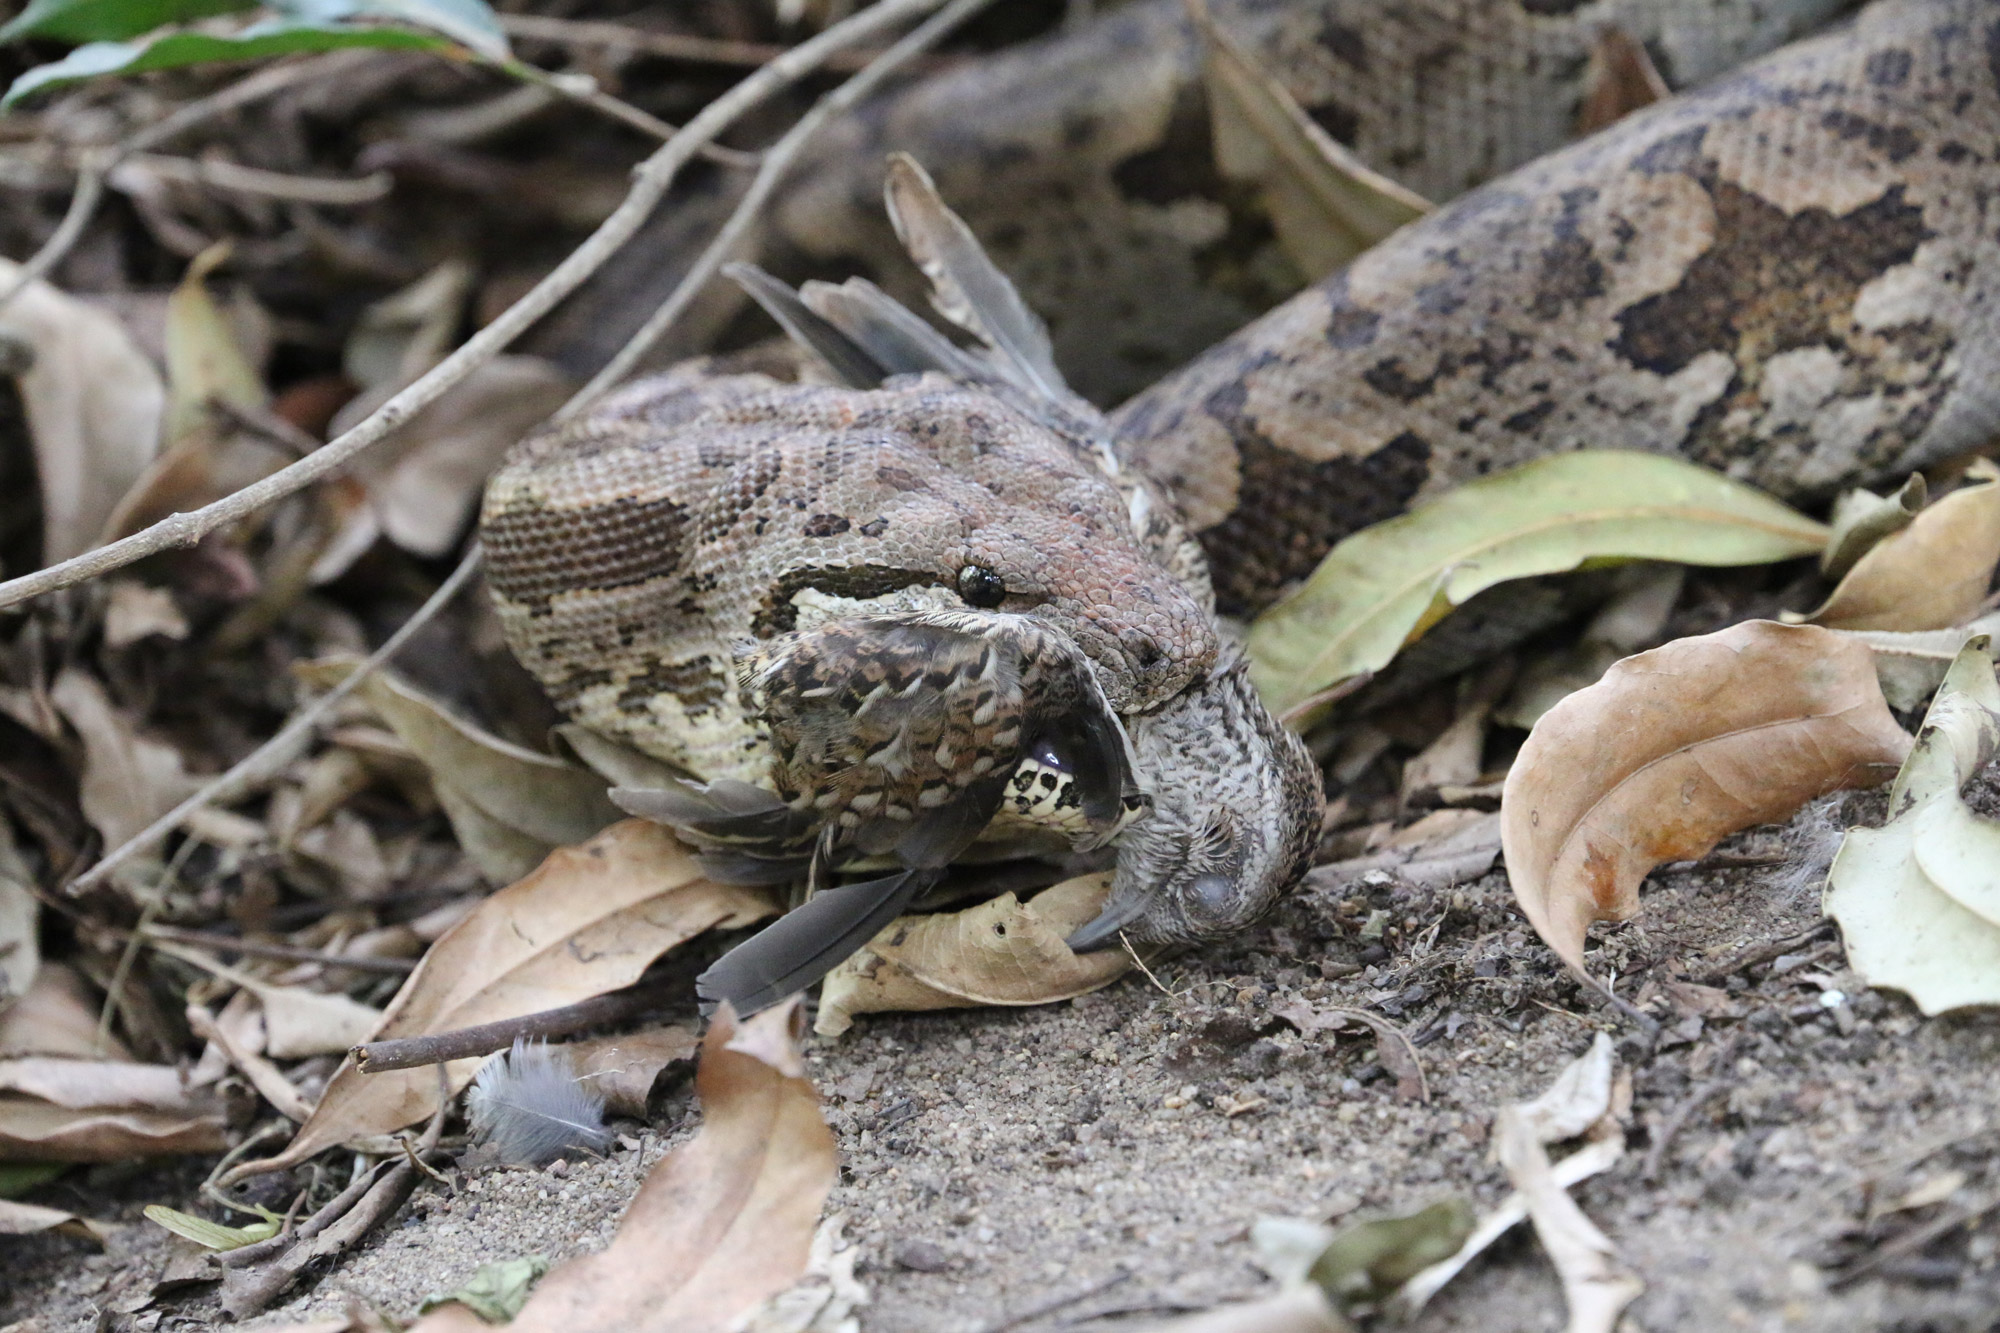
(938,605)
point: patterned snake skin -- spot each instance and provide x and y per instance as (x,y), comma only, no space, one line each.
(1786,275)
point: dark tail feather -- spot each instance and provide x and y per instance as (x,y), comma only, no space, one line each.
(807,942)
(850,363)
(970,290)
(720,811)
(890,331)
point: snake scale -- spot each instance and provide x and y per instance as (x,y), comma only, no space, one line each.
(952,609)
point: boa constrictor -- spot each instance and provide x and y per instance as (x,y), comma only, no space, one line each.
(966,576)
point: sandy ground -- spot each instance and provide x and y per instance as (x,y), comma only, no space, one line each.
(1097,1164)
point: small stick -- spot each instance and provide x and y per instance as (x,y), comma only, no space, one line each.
(377,1057)
(1915,1239)
(651,180)
(778,159)
(245,1294)
(237,178)
(1052,1305)
(1675,1122)
(1762,953)
(288,953)
(672,45)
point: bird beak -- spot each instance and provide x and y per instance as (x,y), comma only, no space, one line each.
(1103,932)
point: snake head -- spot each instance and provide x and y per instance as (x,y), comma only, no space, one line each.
(1237,802)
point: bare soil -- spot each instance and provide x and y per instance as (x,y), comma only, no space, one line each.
(1098,1163)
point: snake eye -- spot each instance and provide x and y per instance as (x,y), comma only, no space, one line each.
(981,587)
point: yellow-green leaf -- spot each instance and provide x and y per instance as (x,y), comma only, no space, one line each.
(1384,586)
(214,1235)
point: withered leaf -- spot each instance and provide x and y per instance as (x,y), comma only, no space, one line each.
(1918,900)
(589,920)
(32,1130)
(509,805)
(94,405)
(999,952)
(1932,574)
(723,1222)
(1675,749)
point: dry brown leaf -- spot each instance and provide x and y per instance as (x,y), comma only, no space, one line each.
(1597,1284)
(1931,575)
(94,405)
(128,780)
(1303,1309)
(134,611)
(20,917)
(1000,952)
(83,1085)
(1393,1051)
(297,1022)
(590,920)
(32,1130)
(509,805)
(724,1222)
(57,1015)
(25,1219)
(622,1069)
(1675,749)
(1620,79)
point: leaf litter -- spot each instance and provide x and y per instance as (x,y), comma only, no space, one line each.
(341,828)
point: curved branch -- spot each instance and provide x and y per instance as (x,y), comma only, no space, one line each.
(650,183)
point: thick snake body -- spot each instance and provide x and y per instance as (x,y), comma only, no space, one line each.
(1787,275)
(1792,276)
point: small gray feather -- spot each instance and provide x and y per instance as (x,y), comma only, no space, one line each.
(528,1106)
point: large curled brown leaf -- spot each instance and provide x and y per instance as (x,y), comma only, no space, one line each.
(1675,749)
(724,1221)
(1000,952)
(589,920)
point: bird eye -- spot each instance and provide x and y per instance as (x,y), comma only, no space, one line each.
(981,587)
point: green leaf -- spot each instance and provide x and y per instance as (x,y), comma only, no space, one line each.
(496,1292)
(276,37)
(110,20)
(1384,586)
(214,1235)
(1918,900)
(1368,1260)
(17,1178)
(300,26)
(470,23)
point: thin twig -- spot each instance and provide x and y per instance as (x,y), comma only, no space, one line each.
(778,159)
(90,177)
(1916,1239)
(651,180)
(1675,1122)
(277,751)
(382,1193)
(1058,1303)
(1762,953)
(584,91)
(234,176)
(408,1052)
(289,953)
(671,45)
